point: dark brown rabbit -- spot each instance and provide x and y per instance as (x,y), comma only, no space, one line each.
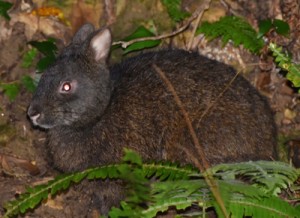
(92,111)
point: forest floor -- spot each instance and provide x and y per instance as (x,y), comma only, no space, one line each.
(21,160)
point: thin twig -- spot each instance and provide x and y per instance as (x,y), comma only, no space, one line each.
(205,5)
(167,35)
(185,115)
(218,97)
(126,44)
(207,175)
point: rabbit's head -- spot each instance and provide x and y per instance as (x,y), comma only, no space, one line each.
(75,90)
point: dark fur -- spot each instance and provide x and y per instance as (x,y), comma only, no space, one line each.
(129,106)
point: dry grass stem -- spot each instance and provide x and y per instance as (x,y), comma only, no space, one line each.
(219,96)
(204,7)
(207,176)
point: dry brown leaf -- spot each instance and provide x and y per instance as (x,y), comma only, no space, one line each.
(82,13)
(48,26)
(289,114)
(56,203)
(9,163)
(5,166)
(26,165)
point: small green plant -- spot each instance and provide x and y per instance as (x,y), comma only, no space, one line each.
(12,89)
(48,50)
(174,10)
(247,189)
(29,57)
(240,32)
(284,61)
(233,28)
(280,27)
(4,7)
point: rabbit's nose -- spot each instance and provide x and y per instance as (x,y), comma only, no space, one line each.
(33,113)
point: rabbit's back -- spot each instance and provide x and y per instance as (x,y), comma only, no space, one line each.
(232,120)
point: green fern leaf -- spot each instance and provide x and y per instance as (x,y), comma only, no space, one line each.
(132,157)
(236,29)
(11,90)
(102,172)
(169,171)
(294,74)
(174,10)
(265,207)
(35,195)
(124,211)
(179,203)
(30,199)
(285,62)
(180,187)
(270,176)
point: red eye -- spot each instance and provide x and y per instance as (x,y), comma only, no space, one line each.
(66,87)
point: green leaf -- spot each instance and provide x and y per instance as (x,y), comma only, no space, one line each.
(264,173)
(285,62)
(174,10)
(11,90)
(233,28)
(245,188)
(264,26)
(140,32)
(270,206)
(281,27)
(48,48)
(44,63)
(29,57)
(132,157)
(4,7)
(28,83)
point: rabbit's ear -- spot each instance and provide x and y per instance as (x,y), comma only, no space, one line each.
(82,34)
(100,45)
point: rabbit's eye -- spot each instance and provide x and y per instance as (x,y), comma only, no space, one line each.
(66,87)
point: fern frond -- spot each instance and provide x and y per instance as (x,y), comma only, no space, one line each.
(233,28)
(246,188)
(169,171)
(239,199)
(269,176)
(270,206)
(243,200)
(174,10)
(285,62)
(33,196)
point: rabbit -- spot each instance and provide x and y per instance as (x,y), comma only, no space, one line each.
(91,111)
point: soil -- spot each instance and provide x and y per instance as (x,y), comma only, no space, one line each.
(22,162)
